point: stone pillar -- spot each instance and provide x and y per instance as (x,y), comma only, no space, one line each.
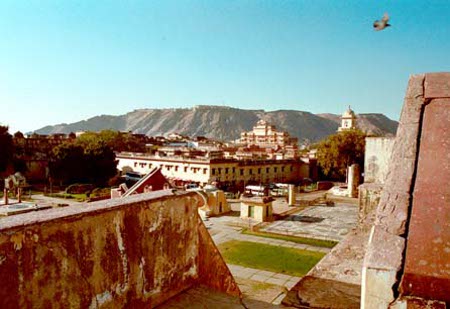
(5,196)
(291,195)
(19,195)
(353,180)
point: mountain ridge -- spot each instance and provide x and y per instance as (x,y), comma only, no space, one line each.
(223,122)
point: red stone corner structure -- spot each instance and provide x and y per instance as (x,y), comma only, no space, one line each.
(135,252)
(407,263)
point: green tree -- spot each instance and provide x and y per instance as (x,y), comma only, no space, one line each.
(6,149)
(340,150)
(68,163)
(118,141)
(88,161)
(100,162)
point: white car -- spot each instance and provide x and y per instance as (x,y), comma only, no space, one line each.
(339,190)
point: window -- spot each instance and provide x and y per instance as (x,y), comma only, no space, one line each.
(219,170)
(226,170)
(250,171)
(241,171)
(292,168)
(275,169)
(234,170)
(213,171)
(267,170)
(176,168)
(282,168)
(204,171)
(259,170)
(251,211)
(185,169)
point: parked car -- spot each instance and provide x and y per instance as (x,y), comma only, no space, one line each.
(339,190)
(192,187)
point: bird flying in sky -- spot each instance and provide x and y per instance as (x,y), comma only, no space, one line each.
(381,24)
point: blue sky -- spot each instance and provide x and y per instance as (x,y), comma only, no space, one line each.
(65,61)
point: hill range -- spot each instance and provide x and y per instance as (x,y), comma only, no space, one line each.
(224,123)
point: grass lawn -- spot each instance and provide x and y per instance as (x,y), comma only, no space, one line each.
(299,240)
(79,197)
(285,260)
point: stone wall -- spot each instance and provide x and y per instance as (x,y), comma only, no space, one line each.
(398,257)
(376,160)
(134,252)
(406,263)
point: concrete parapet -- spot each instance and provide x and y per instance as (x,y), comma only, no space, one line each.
(133,252)
(417,303)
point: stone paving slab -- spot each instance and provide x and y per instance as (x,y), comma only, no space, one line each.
(263,276)
(320,222)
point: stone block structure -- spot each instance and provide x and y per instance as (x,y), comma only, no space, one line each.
(258,208)
(134,252)
(398,257)
(409,249)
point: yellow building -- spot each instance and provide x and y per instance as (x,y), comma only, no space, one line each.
(215,202)
(257,208)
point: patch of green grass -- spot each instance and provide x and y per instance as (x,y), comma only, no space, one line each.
(277,259)
(296,239)
(79,197)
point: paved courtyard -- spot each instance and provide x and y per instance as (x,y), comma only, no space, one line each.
(322,222)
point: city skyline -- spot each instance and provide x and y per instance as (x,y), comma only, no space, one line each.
(69,61)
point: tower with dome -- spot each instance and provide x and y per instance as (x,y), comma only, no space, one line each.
(348,120)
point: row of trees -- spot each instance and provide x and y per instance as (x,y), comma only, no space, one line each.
(88,159)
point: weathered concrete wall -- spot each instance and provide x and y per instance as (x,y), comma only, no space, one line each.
(133,252)
(376,161)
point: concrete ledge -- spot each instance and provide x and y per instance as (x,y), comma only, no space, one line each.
(335,282)
(417,303)
(134,252)
(382,262)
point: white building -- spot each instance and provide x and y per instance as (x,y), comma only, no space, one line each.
(348,120)
(222,171)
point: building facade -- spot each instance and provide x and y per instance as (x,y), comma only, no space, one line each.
(267,135)
(224,172)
